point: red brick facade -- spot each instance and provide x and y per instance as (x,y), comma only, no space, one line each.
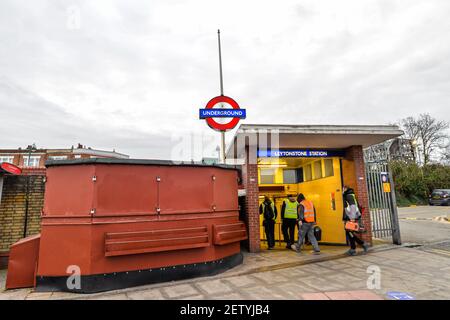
(355,154)
(250,182)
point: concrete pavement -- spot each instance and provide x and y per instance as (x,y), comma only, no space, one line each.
(420,273)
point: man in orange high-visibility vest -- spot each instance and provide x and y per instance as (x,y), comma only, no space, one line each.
(306,223)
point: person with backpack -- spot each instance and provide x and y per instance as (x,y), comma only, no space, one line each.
(352,219)
(269,212)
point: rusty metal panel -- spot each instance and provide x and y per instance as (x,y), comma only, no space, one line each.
(69,191)
(229,233)
(65,245)
(126,232)
(102,263)
(186,190)
(23,258)
(225,190)
(125,189)
(126,243)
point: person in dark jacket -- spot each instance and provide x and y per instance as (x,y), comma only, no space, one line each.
(352,212)
(269,212)
(289,219)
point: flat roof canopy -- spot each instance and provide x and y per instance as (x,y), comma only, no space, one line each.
(309,136)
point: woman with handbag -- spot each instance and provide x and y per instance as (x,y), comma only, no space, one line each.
(352,219)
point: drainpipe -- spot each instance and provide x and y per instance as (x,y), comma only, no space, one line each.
(27,196)
(1,187)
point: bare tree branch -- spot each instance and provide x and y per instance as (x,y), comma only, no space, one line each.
(427,132)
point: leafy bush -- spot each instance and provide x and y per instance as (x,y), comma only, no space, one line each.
(414,183)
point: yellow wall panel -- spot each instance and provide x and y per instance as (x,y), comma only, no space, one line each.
(321,192)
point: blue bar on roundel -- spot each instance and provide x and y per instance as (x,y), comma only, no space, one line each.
(222,113)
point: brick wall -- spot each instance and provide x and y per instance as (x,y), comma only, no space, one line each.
(13,204)
(250,182)
(355,154)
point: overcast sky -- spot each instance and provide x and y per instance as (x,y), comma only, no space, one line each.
(131,75)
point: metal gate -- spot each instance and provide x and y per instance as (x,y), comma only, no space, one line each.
(382,202)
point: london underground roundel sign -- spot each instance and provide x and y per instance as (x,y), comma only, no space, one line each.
(235,114)
(9,168)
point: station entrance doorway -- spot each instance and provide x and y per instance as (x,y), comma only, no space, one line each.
(320,179)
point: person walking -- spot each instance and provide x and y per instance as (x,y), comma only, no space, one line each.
(289,220)
(352,214)
(306,223)
(269,212)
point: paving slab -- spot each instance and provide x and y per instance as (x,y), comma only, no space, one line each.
(242,281)
(213,287)
(262,293)
(365,295)
(271,277)
(39,296)
(229,296)
(339,295)
(178,291)
(121,296)
(145,295)
(315,296)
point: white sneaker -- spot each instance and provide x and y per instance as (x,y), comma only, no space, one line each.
(294,247)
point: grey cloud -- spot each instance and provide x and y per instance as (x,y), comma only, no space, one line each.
(29,118)
(136,72)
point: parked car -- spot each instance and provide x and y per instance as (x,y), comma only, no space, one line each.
(439,197)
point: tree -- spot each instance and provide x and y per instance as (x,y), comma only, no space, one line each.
(427,132)
(446,155)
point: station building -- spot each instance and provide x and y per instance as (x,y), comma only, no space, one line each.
(316,160)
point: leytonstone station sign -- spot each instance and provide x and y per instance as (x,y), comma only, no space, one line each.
(302,153)
(209,113)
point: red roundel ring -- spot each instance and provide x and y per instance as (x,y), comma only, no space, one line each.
(10,168)
(222,126)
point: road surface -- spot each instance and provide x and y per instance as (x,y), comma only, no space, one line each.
(417,226)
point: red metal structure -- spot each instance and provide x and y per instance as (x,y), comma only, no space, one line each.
(131,222)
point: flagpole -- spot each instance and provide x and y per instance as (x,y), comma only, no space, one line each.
(222,133)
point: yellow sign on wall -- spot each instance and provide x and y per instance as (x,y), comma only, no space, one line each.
(386,187)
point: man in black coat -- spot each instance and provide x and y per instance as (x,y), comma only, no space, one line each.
(269,212)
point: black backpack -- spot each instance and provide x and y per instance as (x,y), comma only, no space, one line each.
(268,212)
